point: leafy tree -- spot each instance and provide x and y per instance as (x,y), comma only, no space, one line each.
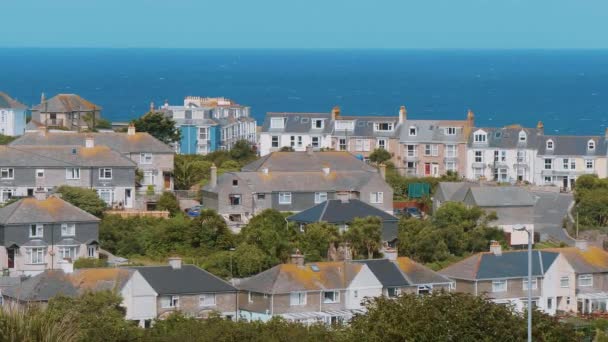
(243,151)
(159,126)
(169,202)
(85,199)
(249,260)
(315,240)
(452,316)
(380,156)
(209,231)
(365,234)
(90,263)
(98,316)
(269,232)
(189,170)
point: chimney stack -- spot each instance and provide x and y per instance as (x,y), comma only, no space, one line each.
(166,104)
(175,263)
(402,114)
(297,258)
(335,112)
(152,107)
(131,129)
(495,248)
(42,98)
(470,117)
(66,266)
(382,170)
(581,244)
(540,128)
(213,178)
(389,253)
(89,142)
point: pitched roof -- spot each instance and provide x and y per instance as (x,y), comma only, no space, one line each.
(120,142)
(507,137)
(511,264)
(452,191)
(340,212)
(590,260)
(364,126)
(309,161)
(287,278)
(61,156)
(52,209)
(500,196)
(564,145)
(188,279)
(8,102)
(403,272)
(64,103)
(433,131)
(298,122)
(52,283)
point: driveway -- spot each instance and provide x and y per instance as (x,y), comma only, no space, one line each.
(549,212)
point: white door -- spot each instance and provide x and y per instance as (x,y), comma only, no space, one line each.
(435,170)
(128,199)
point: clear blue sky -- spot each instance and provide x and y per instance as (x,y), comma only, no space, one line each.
(305,23)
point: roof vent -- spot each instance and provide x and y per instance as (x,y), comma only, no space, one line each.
(175,263)
(314,268)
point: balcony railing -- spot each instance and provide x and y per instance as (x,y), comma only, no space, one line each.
(54,122)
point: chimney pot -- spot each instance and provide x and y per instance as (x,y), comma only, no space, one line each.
(89,142)
(540,127)
(175,263)
(402,114)
(581,244)
(131,129)
(297,258)
(335,112)
(213,178)
(495,248)
(470,115)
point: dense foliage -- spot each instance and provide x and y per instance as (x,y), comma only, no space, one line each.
(591,196)
(401,183)
(6,139)
(159,126)
(435,317)
(83,198)
(193,170)
(454,230)
(168,202)
(379,156)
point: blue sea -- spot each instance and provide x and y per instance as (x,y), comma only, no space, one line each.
(566,89)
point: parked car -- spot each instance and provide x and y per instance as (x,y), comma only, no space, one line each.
(194,211)
(413,212)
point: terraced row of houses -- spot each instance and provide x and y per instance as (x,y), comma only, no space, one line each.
(434,147)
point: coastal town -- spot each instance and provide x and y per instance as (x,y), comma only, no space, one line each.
(197,209)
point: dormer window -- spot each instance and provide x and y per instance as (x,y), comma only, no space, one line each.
(343,125)
(550,145)
(522,136)
(383,126)
(450,131)
(480,137)
(591,145)
(277,122)
(413,131)
(318,123)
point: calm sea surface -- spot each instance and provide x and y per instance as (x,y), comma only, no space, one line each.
(567,90)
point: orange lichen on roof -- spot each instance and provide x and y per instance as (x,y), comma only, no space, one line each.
(90,278)
(93,151)
(514,126)
(330,274)
(137,136)
(51,205)
(595,256)
(406,264)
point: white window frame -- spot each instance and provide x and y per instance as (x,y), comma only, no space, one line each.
(146,158)
(91,249)
(397,292)
(336,297)
(206,300)
(149,178)
(39,173)
(36,255)
(315,121)
(277,123)
(591,145)
(320,197)
(344,125)
(68,229)
(450,131)
(548,164)
(566,280)
(315,141)
(389,125)
(524,284)
(478,156)
(497,285)
(103,173)
(589,164)
(39,230)
(523,136)
(72,173)
(110,192)
(587,279)
(7,173)
(274,143)
(450,151)
(169,302)
(480,137)
(382,143)
(376,197)
(413,131)
(550,145)
(297,298)
(203,134)
(285,197)
(411,151)
(67,252)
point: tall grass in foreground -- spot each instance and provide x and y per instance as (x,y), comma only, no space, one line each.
(18,324)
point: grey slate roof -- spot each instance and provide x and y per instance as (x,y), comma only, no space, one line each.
(452,191)
(7,102)
(120,142)
(364,126)
(308,161)
(511,264)
(298,123)
(339,212)
(188,279)
(52,209)
(508,137)
(500,196)
(564,145)
(65,103)
(403,272)
(432,131)
(61,156)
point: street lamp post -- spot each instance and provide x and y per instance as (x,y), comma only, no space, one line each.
(529,280)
